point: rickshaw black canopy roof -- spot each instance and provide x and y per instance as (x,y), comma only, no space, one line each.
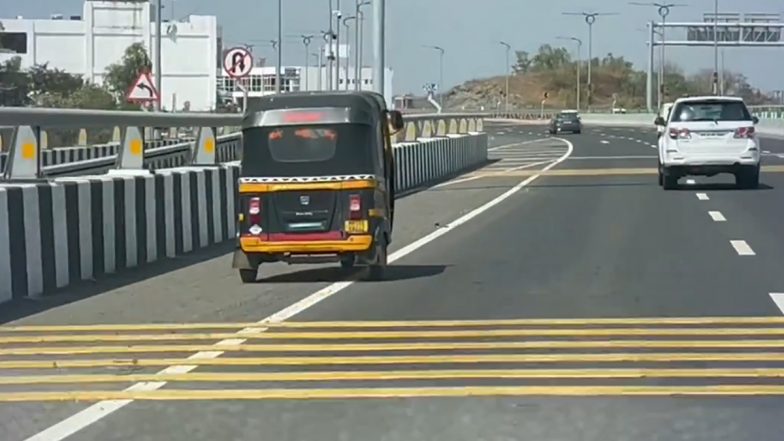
(365,107)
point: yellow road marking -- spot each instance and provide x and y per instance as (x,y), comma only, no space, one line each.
(402,392)
(610,171)
(401,324)
(419,334)
(397,359)
(418,346)
(397,375)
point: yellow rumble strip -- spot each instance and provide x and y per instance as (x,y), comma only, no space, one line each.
(655,356)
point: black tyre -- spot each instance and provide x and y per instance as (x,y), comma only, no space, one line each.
(578,131)
(347,262)
(376,270)
(669,181)
(249,275)
(661,178)
(748,178)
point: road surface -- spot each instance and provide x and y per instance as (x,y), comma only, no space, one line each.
(556,294)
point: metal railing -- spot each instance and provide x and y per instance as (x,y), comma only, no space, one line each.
(27,160)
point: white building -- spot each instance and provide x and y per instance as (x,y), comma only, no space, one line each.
(261,80)
(87,44)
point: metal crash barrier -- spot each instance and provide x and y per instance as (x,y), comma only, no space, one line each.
(77,213)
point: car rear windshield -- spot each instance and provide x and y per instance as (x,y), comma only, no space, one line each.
(567,116)
(308,150)
(711,110)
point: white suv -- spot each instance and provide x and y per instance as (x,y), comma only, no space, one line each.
(706,136)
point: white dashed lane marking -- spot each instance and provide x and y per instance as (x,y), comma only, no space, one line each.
(742,248)
(717,216)
(702,196)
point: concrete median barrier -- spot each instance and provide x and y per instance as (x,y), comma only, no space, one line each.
(58,232)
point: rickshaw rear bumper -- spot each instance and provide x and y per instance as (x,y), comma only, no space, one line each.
(354,243)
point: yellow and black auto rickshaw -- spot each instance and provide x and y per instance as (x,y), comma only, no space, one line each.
(317,182)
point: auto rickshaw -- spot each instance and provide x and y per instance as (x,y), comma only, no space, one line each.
(317,182)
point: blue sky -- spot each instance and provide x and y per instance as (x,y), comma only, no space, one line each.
(469,30)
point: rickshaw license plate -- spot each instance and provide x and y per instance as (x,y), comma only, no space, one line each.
(356,226)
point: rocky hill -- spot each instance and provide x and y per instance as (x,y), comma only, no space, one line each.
(615,82)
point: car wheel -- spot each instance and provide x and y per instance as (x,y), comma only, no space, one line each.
(578,131)
(378,268)
(249,275)
(669,181)
(748,178)
(661,177)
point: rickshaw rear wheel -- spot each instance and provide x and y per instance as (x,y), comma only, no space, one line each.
(249,275)
(348,261)
(378,268)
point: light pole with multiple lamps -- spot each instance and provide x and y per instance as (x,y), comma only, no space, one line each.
(664,11)
(506,93)
(716,47)
(590,19)
(441,52)
(379,49)
(579,62)
(278,85)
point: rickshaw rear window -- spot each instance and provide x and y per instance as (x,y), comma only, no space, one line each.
(302,144)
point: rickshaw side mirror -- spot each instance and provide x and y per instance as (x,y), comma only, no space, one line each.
(396,119)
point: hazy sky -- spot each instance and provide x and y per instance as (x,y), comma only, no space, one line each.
(469,30)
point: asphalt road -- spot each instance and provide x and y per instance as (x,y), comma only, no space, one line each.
(583,304)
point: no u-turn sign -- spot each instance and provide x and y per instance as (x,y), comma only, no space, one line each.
(237,62)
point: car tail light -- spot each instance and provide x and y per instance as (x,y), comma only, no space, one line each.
(744,132)
(254,215)
(354,206)
(680,134)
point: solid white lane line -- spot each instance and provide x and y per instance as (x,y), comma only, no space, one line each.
(514,144)
(742,248)
(702,196)
(97,411)
(778,299)
(717,216)
(572,158)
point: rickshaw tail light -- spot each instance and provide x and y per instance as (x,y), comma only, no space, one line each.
(254,211)
(355,207)
(254,206)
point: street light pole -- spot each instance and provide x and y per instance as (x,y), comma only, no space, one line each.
(506,93)
(158,57)
(663,11)
(579,62)
(440,73)
(328,38)
(278,82)
(306,41)
(339,16)
(590,19)
(358,43)
(379,52)
(715,47)
(348,57)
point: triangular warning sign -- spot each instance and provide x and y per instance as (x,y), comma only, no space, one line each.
(143,89)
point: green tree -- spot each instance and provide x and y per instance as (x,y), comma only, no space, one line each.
(523,64)
(14,83)
(121,76)
(550,58)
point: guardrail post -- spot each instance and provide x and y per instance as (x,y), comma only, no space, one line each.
(116,134)
(203,149)
(131,154)
(24,155)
